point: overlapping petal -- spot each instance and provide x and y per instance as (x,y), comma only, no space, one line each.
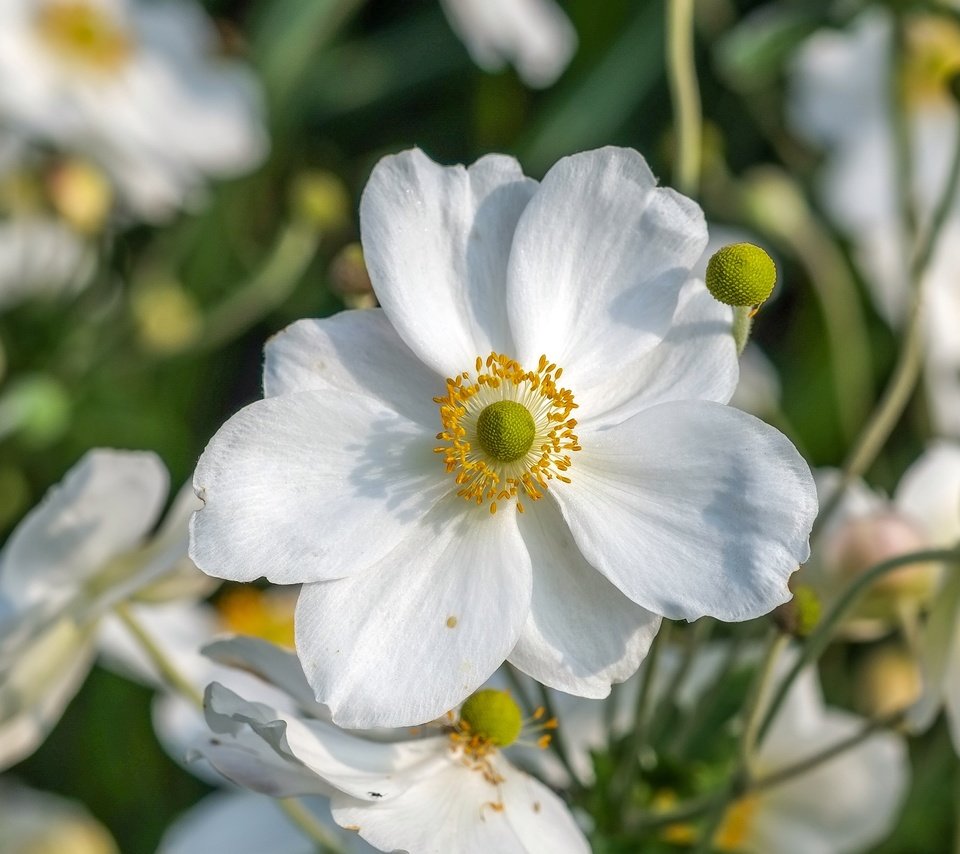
(436,242)
(598,259)
(692,509)
(349,353)
(311,486)
(582,634)
(410,637)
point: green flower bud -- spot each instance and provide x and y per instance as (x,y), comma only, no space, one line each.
(741,274)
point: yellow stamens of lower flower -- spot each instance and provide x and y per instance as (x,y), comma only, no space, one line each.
(491,719)
(262,614)
(507,430)
(737,826)
(83,34)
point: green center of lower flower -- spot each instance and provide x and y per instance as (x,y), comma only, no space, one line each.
(506,430)
(493,716)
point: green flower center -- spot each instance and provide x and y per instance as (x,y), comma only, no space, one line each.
(741,274)
(506,430)
(492,715)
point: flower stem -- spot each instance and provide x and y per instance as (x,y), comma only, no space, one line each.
(167,669)
(760,695)
(626,771)
(742,324)
(685,94)
(314,830)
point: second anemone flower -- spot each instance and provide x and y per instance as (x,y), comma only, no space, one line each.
(524,455)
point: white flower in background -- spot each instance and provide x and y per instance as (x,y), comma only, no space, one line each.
(840,101)
(534,36)
(453,791)
(33,822)
(248,823)
(585,480)
(180,629)
(41,258)
(82,550)
(137,87)
(867,528)
(843,805)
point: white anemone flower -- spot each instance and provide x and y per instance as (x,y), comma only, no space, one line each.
(82,550)
(41,257)
(429,794)
(136,87)
(840,101)
(586,478)
(533,35)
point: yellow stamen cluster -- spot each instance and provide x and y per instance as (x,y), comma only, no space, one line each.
(79,32)
(485,478)
(491,719)
(263,614)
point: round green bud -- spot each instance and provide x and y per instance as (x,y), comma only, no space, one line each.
(741,274)
(506,430)
(493,715)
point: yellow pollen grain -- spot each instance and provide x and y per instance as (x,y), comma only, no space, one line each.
(482,479)
(451,622)
(80,33)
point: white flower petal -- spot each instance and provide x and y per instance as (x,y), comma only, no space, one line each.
(453,810)
(368,770)
(845,804)
(357,352)
(692,509)
(695,360)
(929,492)
(410,637)
(534,35)
(38,679)
(310,486)
(582,634)
(597,264)
(103,507)
(436,241)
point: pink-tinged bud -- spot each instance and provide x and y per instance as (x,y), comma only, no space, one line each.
(887,680)
(862,543)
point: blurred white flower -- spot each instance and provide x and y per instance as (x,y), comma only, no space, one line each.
(843,805)
(453,791)
(137,87)
(840,101)
(248,823)
(867,528)
(33,822)
(81,551)
(41,257)
(535,36)
(663,502)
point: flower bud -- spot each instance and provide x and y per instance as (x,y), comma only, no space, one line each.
(321,198)
(800,615)
(741,274)
(887,680)
(167,316)
(349,278)
(81,194)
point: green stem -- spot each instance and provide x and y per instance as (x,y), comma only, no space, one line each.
(626,771)
(167,669)
(693,639)
(818,640)
(759,696)
(742,324)
(685,95)
(314,830)
(557,744)
(266,290)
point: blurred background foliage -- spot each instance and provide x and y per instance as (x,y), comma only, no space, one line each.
(167,341)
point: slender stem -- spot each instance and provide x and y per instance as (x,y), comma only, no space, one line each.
(685,94)
(557,744)
(818,640)
(625,773)
(294,810)
(167,669)
(742,324)
(693,639)
(760,694)
(315,831)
